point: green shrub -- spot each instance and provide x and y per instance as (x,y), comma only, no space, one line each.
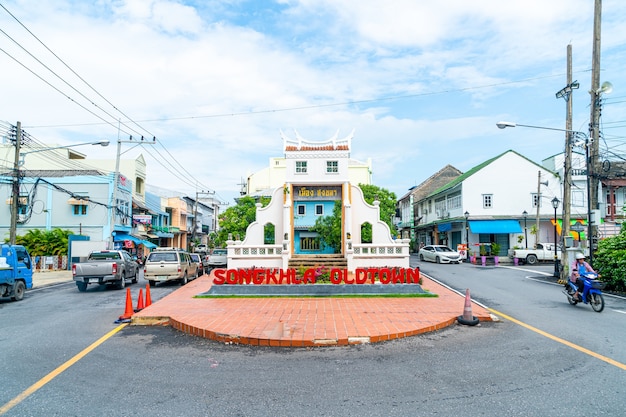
(610,261)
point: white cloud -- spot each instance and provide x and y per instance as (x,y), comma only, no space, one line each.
(215,82)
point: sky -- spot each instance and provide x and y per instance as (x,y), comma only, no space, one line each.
(421,84)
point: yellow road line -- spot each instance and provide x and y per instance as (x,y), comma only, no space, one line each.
(563,341)
(43,381)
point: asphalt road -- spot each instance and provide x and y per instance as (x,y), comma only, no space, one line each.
(493,369)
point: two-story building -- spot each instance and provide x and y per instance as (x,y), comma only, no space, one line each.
(487,204)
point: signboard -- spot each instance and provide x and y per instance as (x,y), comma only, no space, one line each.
(461,248)
(317,192)
(142,218)
(578,227)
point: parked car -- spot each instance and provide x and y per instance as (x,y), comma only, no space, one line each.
(542,252)
(439,254)
(197,258)
(168,264)
(218,258)
(201,248)
(105,267)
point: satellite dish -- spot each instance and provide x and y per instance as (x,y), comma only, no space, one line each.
(606,87)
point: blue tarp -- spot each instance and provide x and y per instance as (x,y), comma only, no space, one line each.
(444,227)
(495,226)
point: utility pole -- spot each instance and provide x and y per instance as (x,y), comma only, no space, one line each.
(195,214)
(594,131)
(538,206)
(116,178)
(15,185)
(566,93)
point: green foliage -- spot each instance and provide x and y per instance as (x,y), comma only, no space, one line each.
(388,201)
(329,228)
(235,220)
(610,261)
(45,242)
(495,248)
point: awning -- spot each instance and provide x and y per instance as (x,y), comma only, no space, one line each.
(151,236)
(495,226)
(120,237)
(148,244)
(444,227)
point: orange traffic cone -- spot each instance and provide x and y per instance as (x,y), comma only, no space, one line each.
(148,299)
(140,305)
(128,313)
(467,318)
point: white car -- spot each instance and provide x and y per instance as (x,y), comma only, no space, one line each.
(218,258)
(440,254)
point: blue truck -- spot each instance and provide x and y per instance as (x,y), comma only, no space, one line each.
(16,272)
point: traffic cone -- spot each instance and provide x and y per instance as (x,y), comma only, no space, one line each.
(467,318)
(140,305)
(148,299)
(128,313)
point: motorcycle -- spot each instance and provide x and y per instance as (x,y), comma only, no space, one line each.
(591,294)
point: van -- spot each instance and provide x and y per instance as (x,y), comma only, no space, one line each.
(169,264)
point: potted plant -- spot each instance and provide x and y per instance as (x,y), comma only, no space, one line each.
(483,253)
(495,251)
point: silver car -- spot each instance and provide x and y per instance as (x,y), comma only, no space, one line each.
(440,254)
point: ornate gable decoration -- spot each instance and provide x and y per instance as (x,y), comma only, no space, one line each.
(303,148)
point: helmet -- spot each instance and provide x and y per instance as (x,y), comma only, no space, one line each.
(580,256)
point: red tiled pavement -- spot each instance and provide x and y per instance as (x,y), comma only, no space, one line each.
(304,321)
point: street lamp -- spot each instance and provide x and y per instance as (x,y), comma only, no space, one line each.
(568,172)
(525,214)
(22,154)
(466,214)
(19,161)
(555,204)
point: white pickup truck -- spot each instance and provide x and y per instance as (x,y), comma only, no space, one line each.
(105,267)
(543,252)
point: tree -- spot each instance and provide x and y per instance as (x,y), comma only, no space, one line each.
(45,242)
(235,220)
(388,201)
(329,227)
(610,261)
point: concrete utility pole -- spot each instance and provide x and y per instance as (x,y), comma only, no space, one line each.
(566,93)
(195,213)
(116,179)
(538,207)
(15,185)
(594,131)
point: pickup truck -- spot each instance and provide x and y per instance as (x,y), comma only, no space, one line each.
(543,252)
(106,267)
(16,272)
(219,257)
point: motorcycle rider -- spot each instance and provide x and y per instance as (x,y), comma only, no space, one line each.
(580,266)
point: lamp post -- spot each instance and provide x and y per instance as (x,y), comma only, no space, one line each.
(19,161)
(557,272)
(466,214)
(525,214)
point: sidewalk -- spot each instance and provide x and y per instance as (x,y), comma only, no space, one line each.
(44,278)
